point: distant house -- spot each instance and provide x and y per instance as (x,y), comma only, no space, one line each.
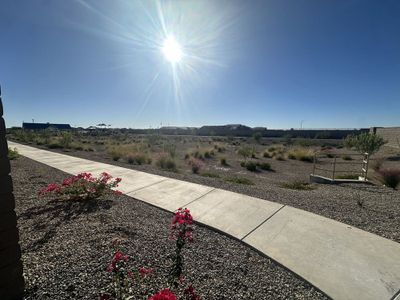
(42,126)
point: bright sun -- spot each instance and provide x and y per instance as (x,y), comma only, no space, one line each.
(172,50)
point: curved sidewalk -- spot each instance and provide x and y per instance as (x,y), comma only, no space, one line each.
(342,261)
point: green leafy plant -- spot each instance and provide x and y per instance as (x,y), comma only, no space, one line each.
(12,154)
(365,142)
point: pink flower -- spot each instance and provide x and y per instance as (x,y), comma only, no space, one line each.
(144,272)
(189,291)
(164,294)
(117,193)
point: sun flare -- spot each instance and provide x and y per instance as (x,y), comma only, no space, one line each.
(172,50)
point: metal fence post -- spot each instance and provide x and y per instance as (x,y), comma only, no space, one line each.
(334,168)
(11,279)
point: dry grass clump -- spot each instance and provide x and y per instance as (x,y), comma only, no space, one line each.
(137,158)
(239,180)
(390,177)
(302,154)
(165,162)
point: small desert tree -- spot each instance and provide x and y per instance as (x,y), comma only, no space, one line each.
(365,142)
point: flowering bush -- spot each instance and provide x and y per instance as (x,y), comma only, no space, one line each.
(124,278)
(83,186)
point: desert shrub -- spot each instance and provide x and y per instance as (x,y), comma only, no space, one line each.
(187,155)
(223,161)
(82,187)
(239,180)
(347,157)
(137,158)
(196,164)
(390,177)
(12,154)
(88,148)
(209,174)
(198,154)
(365,142)
(76,146)
(54,145)
(272,149)
(115,152)
(280,157)
(301,154)
(245,152)
(377,163)
(171,149)
(257,137)
(264,166)
(166,163)
(267,154)
(298,185)
(207,154)
(250,166)
(66,139)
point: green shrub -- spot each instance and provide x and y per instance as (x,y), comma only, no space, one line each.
(12,154)
(66,139)
(251,166)
(207,154)
(298,185)
(239,180)
(223,161)
(209,174)
(365,142)
(166,163)
(264,166)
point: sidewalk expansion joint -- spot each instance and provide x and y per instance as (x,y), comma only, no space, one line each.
(199,197)
(145,187)
(263,222)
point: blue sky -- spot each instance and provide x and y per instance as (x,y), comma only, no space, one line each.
(332,63)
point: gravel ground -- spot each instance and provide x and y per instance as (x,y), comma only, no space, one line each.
(378,213)
(66,247)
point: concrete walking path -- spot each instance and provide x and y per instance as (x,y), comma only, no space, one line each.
(342,261)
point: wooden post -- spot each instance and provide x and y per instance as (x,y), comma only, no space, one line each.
(11,279)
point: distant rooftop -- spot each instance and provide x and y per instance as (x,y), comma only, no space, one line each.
(40,126)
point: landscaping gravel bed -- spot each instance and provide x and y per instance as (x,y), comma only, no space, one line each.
(66,247)
(373,208)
